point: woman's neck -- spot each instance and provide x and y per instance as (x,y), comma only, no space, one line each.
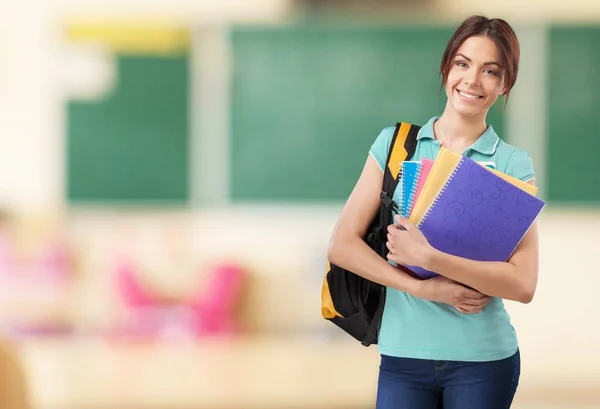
(457,132)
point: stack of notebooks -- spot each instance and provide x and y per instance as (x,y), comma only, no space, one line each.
(466,208)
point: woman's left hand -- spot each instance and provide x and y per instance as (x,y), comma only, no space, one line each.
(409,246)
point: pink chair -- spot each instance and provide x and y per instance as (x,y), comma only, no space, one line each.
(129,288)
(216,303)
(210,312)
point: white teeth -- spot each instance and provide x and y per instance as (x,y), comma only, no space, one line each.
(468,96)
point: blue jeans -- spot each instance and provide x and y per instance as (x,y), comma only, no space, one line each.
(427,384)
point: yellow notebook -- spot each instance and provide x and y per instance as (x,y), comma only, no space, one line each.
(529,188)
(442,168)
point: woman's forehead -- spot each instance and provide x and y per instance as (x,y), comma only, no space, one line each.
(480,49)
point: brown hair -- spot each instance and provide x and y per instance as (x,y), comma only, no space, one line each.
(500,32)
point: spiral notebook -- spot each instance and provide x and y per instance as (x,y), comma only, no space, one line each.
(444,164)
(478,215)
(529,188)
(410,174)
(424,169)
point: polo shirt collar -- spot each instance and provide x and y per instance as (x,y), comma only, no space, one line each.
(486,144)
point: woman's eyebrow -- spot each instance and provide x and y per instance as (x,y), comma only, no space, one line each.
(485,63)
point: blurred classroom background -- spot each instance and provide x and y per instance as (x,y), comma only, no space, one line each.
(171,170)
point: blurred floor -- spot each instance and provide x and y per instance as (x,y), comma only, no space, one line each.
(252,373)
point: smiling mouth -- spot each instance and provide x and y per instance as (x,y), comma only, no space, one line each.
(468,96)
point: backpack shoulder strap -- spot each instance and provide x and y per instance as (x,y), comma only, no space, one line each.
(402,147)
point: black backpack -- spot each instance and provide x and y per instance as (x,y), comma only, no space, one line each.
(350,301)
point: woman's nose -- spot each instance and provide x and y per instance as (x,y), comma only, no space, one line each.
(472,79)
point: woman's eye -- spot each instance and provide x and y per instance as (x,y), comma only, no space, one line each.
(461,64)
(491,72)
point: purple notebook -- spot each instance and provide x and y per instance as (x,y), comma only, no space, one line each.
(478,215)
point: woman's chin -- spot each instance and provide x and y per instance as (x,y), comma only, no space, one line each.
(468,111)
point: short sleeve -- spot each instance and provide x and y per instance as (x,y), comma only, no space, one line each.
(380,148)
(520,166)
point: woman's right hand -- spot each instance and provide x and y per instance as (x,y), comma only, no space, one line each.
(463,299)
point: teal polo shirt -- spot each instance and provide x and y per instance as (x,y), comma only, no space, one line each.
(415,328)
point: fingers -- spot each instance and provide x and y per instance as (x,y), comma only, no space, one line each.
(389,246)
(482,302)
(394,230)
(392,257)
(471,306)
(388,243)
(461,310)
(403,222)
(468,309)
(393,227)
(472,294)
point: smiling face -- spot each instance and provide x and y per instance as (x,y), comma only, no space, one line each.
(475,79)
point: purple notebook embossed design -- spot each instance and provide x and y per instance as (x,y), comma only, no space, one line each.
(478,215)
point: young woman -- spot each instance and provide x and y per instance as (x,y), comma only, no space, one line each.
(447,342)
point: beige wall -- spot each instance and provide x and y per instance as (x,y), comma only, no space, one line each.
(524,10)
(30,114)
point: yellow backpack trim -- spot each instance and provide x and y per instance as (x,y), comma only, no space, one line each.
(398,155)
(328,311)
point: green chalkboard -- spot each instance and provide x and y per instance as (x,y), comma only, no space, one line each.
(133,144)
(308,101)
(573,119)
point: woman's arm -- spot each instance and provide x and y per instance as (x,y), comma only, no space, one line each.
(348,250)
(515,279)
